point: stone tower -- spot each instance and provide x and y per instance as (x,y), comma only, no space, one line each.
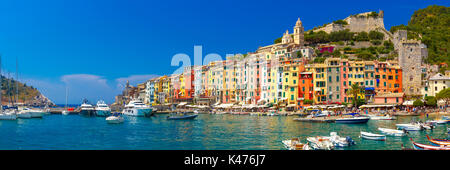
(410,58)
(298,33)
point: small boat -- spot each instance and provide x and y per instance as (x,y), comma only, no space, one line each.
(182,116)
(438,142)
(324,113)
(65,112)
(320,143)
(419,146)
(393,132)
(372,136)
(409,127)
(295,144)
(115,118)
(359,119)
(340,141)
(377,117)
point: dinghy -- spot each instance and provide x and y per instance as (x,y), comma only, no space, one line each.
(372,136)
(392,132)
(181,117)
(386,117)
(114,118)
(409,127)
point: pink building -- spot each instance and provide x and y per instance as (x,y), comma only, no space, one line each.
(389,98)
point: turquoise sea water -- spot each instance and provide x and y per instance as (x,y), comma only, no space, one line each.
(207,132)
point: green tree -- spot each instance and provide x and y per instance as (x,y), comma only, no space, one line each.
(354,91)
(430,101)
(375,35)
(361,36)
(444,95)
(418,103)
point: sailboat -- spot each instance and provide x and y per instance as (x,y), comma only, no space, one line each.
(65,111)
(25,112)
(5,114)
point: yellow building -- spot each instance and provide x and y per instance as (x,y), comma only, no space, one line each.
(356,75)
(319,81)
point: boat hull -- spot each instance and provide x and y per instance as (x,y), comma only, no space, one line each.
(87,112)
(24,115)
(37,114)
(373,136)
(419,146)
(137,112)
(114,120)
(102,113)
(352,120)
(8,117)
(438,142)
(185,117)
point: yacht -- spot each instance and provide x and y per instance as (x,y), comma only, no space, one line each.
(137,108)
(87,109)
(102,109)
(31,113)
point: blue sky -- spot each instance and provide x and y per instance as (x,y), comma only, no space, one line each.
(93,47)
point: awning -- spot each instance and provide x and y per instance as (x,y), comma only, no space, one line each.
(291,105)
(182,104)
(370,88)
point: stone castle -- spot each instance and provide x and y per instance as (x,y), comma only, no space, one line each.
(359,23)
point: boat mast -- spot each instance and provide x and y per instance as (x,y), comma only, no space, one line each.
(17,81)
(65,107)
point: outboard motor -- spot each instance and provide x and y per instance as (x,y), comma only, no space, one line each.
(350,140)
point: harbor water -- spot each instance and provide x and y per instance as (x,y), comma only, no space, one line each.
(206,132)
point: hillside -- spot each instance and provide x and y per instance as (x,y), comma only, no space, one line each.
(432,26)
(29,94)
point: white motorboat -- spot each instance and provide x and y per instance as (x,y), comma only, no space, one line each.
(378,117)
(137,108)
(409,127)
(34,113)
(102,109)
(320,143)
(295,144)
(372,136)
(114,119)
(324,113)
(392,132)
(340,141)
(87,109)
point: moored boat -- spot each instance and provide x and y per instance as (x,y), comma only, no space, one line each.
(439,142)
(420,146)
(409,127)
(8,115)
(102,109)
(295,144)
(182,116)
(87,109)
(352,120)
(372,136)
(393,132)
(377,117)
(137,108)
(320,143)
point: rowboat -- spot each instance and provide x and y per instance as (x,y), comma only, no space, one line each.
(295,144)
(392,132)
(438,142)
(419,146)
(340,141)
(353,120)
(372,136)
(320,143)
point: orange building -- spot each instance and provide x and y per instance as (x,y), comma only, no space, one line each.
(388,77)
(305,87)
